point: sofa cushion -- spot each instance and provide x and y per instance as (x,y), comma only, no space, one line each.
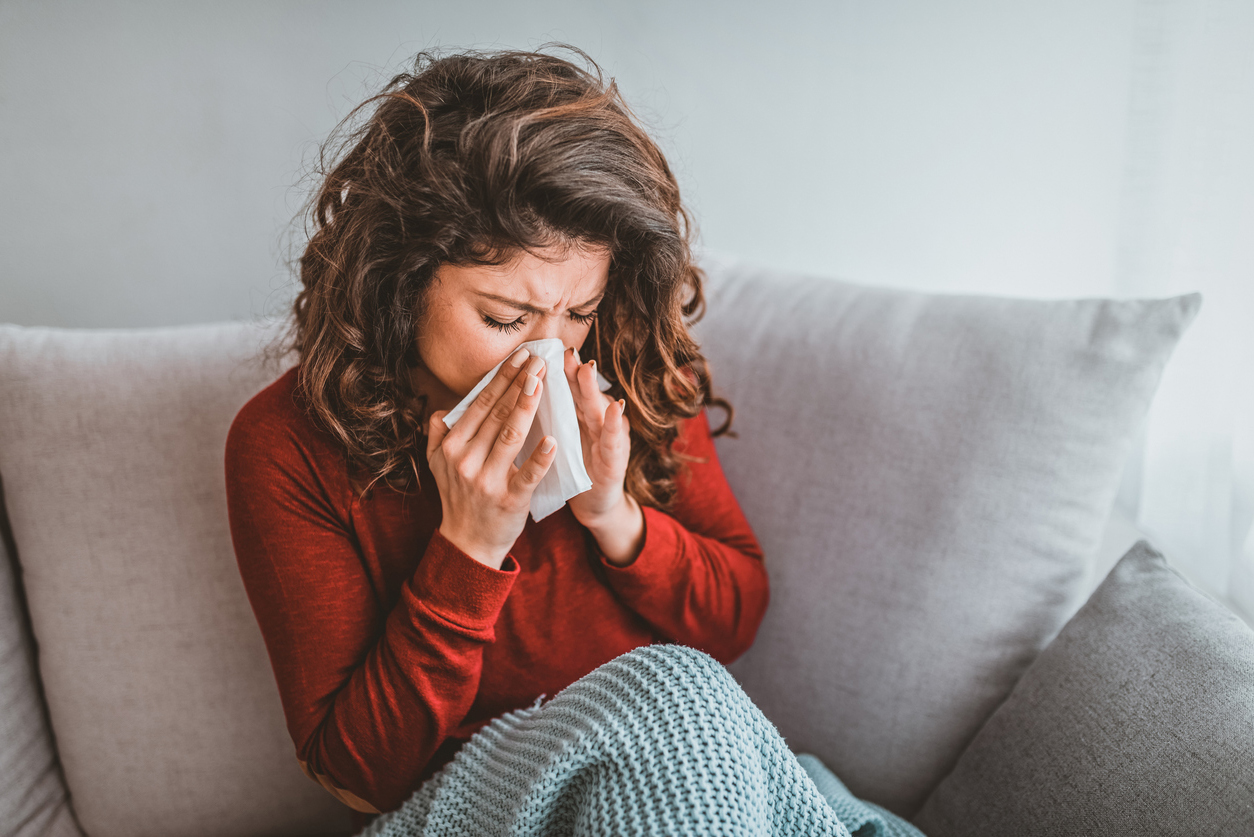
(33,799)
(928,475)
(158,684)
(1137,719)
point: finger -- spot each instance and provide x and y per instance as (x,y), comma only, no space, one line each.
(589,398)
(570,366)
(468,425)
(436,431)
(508,441)
(526,479)
(612,433)
(504,411)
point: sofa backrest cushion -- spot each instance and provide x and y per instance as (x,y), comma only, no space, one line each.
(929,476)
(1137,719)
(158,684)
(33,799)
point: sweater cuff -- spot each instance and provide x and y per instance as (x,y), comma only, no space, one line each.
(659,556)
(459,591)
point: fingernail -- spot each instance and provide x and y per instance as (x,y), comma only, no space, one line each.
(536,364)
(549,444)
(517,358)
(529,386)
(594,365)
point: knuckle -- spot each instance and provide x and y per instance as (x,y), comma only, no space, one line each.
(501,411)
(465,470)
(485,398)
(510,435)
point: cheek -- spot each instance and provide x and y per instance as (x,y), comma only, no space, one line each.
(459,349)
(584,341)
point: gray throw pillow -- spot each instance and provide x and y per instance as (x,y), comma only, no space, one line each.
(1137,719)
(929,476)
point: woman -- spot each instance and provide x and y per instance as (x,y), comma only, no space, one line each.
(405,597)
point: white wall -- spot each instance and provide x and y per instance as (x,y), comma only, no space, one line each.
(150,152)
(151,156)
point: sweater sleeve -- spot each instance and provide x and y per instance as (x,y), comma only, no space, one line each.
(368,695)
(699,579)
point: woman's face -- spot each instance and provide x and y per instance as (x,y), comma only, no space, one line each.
(477,315)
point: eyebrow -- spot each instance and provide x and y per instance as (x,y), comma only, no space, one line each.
(528,307)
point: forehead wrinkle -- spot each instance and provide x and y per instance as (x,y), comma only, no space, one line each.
(533,275)
(528,307)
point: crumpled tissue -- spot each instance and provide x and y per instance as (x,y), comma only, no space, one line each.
(555,417)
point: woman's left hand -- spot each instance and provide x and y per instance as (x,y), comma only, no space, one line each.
(605,434)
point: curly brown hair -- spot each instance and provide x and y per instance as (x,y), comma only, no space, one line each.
(471,159)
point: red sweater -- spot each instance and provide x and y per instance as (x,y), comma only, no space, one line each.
(391,646)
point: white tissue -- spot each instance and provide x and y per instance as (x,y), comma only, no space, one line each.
(555,417)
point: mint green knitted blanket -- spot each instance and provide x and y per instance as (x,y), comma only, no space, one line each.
(660,741)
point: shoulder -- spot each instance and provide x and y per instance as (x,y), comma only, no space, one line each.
(694,436)
(270,415)
(273,431)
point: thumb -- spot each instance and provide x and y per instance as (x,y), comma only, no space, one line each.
(436,431)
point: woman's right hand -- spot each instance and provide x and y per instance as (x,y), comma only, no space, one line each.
(484,495)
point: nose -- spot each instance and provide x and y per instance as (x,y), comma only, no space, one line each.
(571,333)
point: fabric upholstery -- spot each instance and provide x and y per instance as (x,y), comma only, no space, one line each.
(33,798)
(1137,719)
(928,476)
(160,691)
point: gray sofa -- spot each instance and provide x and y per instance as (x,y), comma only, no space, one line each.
(931,477)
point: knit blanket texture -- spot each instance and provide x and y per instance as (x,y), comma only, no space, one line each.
(659,741)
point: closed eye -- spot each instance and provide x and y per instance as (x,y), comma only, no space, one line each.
(514,325)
